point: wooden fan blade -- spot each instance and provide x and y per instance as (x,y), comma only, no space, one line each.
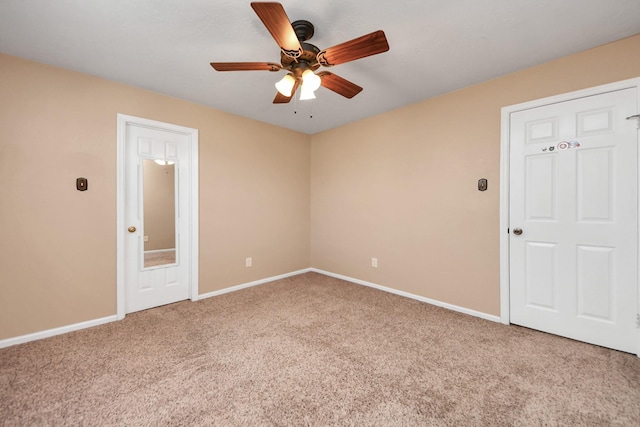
(339,85)
(367,45)
(246,66)
(275,19)
(281,99)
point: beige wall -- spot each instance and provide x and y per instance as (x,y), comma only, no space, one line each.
(402,186)
(58,245)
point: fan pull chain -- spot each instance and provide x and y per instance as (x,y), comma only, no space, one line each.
(295,107)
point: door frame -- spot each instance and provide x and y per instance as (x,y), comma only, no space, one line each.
(505,125)
(192,136)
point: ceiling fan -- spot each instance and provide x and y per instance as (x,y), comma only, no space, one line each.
(302,59)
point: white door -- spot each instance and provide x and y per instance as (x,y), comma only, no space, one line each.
(157,214)
(574,219)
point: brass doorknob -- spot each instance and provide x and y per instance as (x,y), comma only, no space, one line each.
(131,229)
(517,231)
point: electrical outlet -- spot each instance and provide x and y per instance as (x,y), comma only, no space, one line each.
(146,238)
(248,262)
(374,262)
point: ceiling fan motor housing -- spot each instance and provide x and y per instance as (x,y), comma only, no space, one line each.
(308,59)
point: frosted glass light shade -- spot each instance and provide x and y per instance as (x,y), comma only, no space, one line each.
(310,80)
(285,86)
(306,93)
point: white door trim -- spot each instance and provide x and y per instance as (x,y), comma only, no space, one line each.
(504,177)
(192,134)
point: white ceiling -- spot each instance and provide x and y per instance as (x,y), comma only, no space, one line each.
(436,46)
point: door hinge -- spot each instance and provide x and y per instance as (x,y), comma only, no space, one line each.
(637,117)
(638,321)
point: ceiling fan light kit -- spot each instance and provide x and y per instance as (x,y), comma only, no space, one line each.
(306,94)
(310,81)
(285,86)
(302,59)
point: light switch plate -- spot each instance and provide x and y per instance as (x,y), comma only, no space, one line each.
(82,184)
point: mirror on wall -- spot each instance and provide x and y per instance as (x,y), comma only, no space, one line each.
(159,207)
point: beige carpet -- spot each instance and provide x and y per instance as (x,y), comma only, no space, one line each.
(313,350)
(152,259)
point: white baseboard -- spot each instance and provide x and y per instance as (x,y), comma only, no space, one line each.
(459,309)
(250,284)
(56,331)
(90,323)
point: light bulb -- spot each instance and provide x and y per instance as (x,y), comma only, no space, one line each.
(164,162)
(285,86)
(310,80)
